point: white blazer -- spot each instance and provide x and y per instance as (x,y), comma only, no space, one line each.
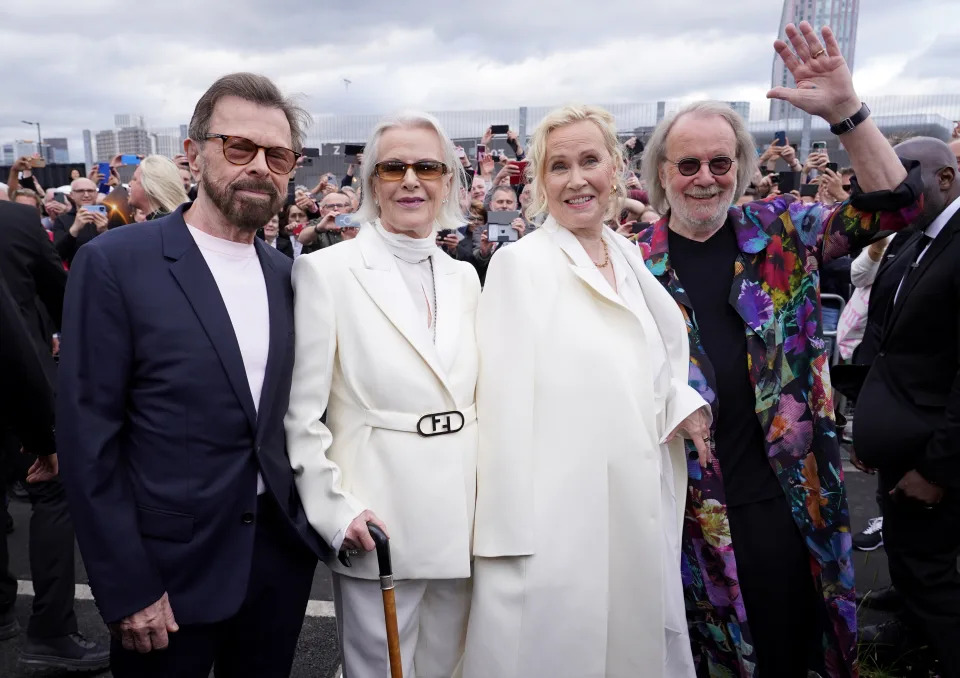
(362,356)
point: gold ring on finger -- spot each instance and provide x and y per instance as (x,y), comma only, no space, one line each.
(819,52)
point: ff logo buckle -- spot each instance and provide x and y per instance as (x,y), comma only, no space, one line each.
(440,423)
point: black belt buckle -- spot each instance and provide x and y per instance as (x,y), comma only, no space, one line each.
(440,423)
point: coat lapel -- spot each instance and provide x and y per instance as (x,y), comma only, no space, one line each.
(381,279)
(580,263)
(191,272)
(281,312)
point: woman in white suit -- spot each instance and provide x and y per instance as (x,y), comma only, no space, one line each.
(581,395)
(385,344)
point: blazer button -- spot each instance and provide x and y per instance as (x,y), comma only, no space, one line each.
(247,518)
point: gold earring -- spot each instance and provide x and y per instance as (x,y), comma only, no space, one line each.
(613,189)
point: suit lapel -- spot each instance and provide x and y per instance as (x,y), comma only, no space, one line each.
(934,250)
(280,311)
(382,281)
(193,276)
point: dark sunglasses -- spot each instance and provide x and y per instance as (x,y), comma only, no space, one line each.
(690,166)
(395,170)
(241,151)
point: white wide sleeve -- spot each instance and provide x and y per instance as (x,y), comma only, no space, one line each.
(505,392)
(329,508)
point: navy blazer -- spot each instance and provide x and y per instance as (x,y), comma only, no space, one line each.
(159,439)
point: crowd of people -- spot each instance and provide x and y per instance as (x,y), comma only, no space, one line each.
(586,390)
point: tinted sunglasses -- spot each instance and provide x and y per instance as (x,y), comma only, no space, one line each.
(690,166)
(395,170)
(241,151)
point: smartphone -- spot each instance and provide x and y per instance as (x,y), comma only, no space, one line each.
(104,169)
(444,232)
(499,129)
(819,146)
(789,181)
(499,228)
(481,153)
(352,149)
(832,166)
(345,221)
(61,197)
(808,190)
(311,152)
(781,138)
(519,178)
(461,153)
(37,163)
(291,193)
(102,209)
(127,159)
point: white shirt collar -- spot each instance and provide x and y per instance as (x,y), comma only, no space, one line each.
(933,230)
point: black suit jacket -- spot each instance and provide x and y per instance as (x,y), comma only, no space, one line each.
(32,269)
(66,244)
(26,392)
(908,413)
(161,439)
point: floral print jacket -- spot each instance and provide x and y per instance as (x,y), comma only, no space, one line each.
(776,290)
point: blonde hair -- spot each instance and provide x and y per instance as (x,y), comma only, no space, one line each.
(537,153)
(160,179)
(655,152)
(450,215)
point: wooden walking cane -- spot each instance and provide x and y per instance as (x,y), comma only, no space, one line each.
(389,601)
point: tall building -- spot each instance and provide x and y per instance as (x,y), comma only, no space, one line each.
(133,140)
(87,149)
(840,15)
(22,147)
(6,155)
(58,150)
(107,145)
(167,140)
(121,120)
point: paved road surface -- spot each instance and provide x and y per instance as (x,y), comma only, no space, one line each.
(317,650)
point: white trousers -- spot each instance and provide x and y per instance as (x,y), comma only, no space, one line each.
(431,617)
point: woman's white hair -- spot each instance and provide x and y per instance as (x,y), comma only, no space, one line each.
(160,179)
(655,152)
(450,214)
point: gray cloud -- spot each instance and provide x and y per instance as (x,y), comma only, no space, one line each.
(73,65)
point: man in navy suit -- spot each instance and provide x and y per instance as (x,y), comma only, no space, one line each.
(177,351)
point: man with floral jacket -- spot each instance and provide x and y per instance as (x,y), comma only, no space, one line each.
(767,568)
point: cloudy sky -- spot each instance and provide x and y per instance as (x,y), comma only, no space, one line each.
(72,65)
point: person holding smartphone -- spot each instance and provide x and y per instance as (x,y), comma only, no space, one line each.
(323,231)
(80,225)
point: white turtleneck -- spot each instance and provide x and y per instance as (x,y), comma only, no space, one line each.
(413,260)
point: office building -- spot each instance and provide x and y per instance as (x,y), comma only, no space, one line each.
(840,15)
(133,140)
(57,149)
(107,145)
(121,120)
(6,154)
(88,148)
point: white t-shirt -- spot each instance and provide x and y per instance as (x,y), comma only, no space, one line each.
(236,269)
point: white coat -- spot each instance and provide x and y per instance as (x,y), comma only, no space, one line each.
(365,356)
(569,548)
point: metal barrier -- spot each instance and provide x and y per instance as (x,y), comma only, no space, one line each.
(832,306)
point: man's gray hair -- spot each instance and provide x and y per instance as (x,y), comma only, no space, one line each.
(257,89)
(501,188)
(450,215)
(655,152)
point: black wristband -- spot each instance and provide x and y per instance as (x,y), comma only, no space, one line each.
(850,123)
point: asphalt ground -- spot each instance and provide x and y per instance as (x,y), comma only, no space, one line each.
(317,655)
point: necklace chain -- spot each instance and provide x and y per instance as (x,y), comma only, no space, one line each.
(606,255)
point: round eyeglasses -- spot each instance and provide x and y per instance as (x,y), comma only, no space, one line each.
(242,151)
(719,165)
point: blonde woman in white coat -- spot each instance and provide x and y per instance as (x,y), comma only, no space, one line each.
(582,393)
(385,344)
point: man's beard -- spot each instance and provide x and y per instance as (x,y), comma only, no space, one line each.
(248,214)
(698,224)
